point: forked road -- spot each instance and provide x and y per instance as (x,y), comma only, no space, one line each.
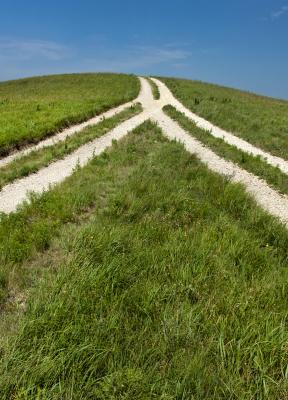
(276,204)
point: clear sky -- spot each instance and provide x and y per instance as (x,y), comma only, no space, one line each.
(239,43)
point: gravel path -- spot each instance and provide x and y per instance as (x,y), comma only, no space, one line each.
(15,193)
(220,133)
(270,200)
(72,130)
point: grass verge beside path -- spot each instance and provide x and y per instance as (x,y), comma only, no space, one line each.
(256,165)
(39,235)
(33,108)
(175,289)
(41,158)
(262,121)
(31,230)
(155,89)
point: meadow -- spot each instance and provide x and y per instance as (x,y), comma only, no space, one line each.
(33,108)
(143,276)
(262,121)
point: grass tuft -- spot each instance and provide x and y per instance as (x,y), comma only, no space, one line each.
(155,89)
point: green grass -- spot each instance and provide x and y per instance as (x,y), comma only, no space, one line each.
(174,288)
(155,89)
(262,121)
(38,159)
(256,165)
(33,108)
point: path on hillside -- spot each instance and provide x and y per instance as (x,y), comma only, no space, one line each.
(72,130)
(276,204)
(269,199)
(16,192)
(217,132)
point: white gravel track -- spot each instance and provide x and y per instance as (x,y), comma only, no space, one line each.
(15,193)
(72,130)
(269,199)
(217,132)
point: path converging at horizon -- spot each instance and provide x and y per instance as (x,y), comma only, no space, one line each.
(14,194)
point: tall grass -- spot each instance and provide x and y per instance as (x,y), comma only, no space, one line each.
(175,289)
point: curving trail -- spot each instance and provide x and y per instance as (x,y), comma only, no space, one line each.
(269,199)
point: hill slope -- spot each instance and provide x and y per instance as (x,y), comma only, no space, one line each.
(260,120)
(36,107)
(174,288)
(144,274)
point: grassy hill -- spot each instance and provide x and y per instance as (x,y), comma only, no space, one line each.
(168,281)
(36,107)
(144,275)
(262,121)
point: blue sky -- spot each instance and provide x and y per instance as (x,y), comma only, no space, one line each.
(239,43)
